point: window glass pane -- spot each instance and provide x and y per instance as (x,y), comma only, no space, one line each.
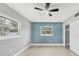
(8,27)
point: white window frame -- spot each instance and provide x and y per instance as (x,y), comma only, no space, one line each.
(19,28)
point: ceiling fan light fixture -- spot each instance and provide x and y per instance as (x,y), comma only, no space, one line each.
(50,14)
(46,11)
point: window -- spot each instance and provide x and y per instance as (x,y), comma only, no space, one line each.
(46,30)
(8,27)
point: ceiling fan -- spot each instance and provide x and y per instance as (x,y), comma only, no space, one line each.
(47,9)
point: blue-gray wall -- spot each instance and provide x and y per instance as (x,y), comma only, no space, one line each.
(55,39)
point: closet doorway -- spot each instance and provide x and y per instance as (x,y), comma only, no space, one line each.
(67,36)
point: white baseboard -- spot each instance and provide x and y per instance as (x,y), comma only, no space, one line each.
(49,44)
(22,50)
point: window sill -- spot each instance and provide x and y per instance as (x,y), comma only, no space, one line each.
(8,37)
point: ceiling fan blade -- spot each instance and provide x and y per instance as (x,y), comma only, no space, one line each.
(47,5)
(38,8)
(50,14)
(54,10)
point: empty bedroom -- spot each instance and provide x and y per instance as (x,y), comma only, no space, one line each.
(39,29)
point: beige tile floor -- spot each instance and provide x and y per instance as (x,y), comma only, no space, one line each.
(47,51)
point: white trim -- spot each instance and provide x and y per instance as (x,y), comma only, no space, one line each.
(64,34)
(19,52)
(49,44)
(19,27)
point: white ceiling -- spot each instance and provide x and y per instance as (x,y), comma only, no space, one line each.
(66,10)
